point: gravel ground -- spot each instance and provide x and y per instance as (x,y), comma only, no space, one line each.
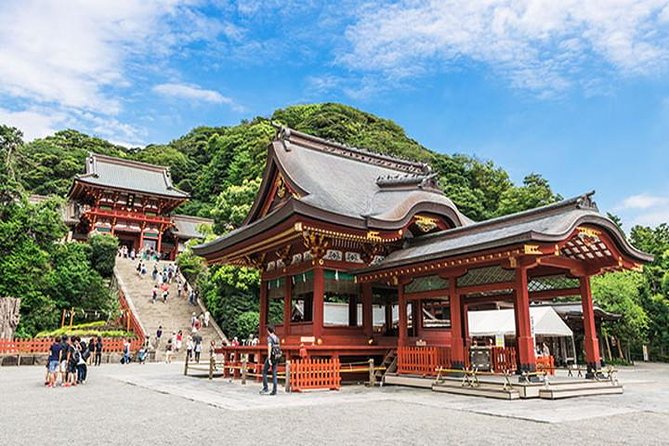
(155,404)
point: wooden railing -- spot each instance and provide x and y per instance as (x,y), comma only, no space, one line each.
(502,359)
(315,373)
(423,361)
(129,319)
(41,345)
(546,364)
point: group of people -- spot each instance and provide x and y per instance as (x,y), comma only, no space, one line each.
(146,253)
(69,358)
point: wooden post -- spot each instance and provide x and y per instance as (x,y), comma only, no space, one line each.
(457,342)
(287,304)
(318,308)
(287,383)
(402,335)
(62,319)
(367,310)
(244,370)
(592,358)
(372,375)
(524,340)
(262,324)
(212,363)
(186,365)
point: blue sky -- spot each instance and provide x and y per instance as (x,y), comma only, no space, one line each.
(576,90)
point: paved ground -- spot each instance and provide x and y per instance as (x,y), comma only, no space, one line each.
(155,404)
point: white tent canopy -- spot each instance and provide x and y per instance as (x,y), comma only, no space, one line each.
(545,320)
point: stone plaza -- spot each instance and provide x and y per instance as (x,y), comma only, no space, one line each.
(157,404)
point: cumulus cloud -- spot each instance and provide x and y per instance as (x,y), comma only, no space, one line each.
(192,92)
(545,46)
(644,209)
(72,61)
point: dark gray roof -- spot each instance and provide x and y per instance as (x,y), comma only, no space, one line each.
(186,226)
(356,183)
(129,175)
(546,224)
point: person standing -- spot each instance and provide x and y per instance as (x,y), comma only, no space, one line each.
(98,351)
(273,356)
(82,367)
(168,352)
(159,334)
(206,318)
(126,352)
(179,340)
(198,350)
(54,362)
(189,348)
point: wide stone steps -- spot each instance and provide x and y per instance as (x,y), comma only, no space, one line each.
(174,315)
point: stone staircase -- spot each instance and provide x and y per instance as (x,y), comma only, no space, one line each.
(174,315)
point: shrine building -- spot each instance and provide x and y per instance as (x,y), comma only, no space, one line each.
(335,227)
(133,201)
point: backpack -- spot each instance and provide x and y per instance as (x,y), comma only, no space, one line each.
(76,356)
(87,353)
(276,351)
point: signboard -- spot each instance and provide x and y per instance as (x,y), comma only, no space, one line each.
(499,340)
(307,339)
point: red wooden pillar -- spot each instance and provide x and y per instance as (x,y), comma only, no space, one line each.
(262,310)
(160,242)
(416,318)
(402,329)
(287,304)
(353,311)
(319,291)
(367,310)
(457,342)
(590,340)
(524,340)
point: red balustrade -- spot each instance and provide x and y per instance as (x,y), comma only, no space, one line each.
(315,373)
(423,361)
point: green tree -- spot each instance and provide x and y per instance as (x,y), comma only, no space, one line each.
(104,249)
(534,192)
(233,205)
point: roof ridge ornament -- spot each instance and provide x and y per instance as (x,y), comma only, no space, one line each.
(586,201)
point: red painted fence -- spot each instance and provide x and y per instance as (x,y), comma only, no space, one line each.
(314,373)
(422,361)
(41,345)
(546,363)
(503,359)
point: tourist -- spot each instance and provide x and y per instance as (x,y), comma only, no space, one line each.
(198,350)
(126,352)
(154,294)
(545,350)
(168,352)
(235,342)
(54,362)
(139,268)
(255,340)
(189,348)
(193,318)
(143,272)
(154,273)
(64,356)
(206,318)
(82,367)
(73,357)
(179,289)
(98,351)
(132,254)
(179,340)
(159,334)
(166,291)
(272,361)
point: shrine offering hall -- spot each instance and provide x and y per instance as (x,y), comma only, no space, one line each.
(362,256)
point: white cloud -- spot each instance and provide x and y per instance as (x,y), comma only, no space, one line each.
(72,62)
(542,45)
(192,92)
(644,209)
(643,201)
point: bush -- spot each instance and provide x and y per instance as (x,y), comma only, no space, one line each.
(247,324)
(103,253)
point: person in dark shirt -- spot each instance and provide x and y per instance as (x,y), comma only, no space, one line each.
(98,351)
(64,352)
(54,362)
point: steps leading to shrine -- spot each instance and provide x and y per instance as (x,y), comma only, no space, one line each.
(174,315)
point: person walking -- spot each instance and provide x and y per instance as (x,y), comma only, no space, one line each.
(168,352)
(179,340)
(82,366)
(98,351)
(198,350)
(54,361)
(159,334)
(189,348)
(154,294)
(273,356)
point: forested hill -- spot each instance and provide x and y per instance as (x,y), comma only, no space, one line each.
(220,166)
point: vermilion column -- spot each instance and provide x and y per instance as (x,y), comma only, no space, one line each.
(319,291)
(457,342)
(263,309)
(591,342)
(402,329)
(367,310)
(287,304)
(524,341)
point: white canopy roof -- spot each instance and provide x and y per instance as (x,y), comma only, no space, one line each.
(545,320)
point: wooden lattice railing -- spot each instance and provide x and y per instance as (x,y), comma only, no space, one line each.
(503,359)
(423,361)
(315,373)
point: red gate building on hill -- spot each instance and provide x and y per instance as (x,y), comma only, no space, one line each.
(338,226)
(133,201)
